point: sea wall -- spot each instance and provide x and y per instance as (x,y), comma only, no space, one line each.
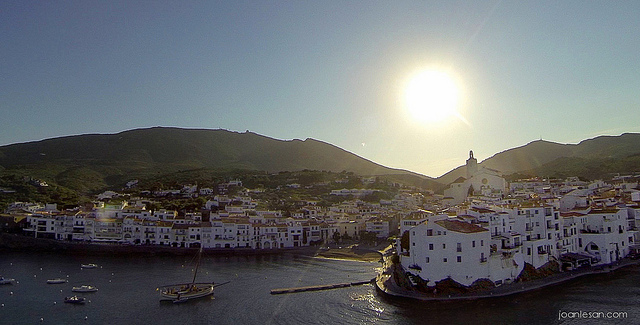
(12,242)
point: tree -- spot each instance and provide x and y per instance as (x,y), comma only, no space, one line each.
(336,236)
(404,241)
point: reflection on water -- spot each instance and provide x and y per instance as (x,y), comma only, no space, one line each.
(127,294)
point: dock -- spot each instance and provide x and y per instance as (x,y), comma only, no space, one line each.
(319,287)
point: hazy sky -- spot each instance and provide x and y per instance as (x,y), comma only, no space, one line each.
(334,71)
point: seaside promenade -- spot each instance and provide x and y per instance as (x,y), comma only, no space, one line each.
(386,284)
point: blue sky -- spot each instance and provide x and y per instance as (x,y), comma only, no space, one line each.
(563,71)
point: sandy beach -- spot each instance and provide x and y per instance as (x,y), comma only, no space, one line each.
(352,252)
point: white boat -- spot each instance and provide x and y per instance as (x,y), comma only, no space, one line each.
(57,281)
(182,292)
(88,266)
(75,300)
(4,280)
(84,288)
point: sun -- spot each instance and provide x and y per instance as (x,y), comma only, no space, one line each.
(431,96)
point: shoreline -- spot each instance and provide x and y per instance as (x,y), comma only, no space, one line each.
(13,242)
(385,284)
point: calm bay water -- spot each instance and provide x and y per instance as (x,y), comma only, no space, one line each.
(127,294)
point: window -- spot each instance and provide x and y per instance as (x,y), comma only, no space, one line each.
(459,258)
(427,259)
(429,232)
(482,242)
(430,247)
(444,260)
(528,250)
(473,243)
(459,248)
(444,246)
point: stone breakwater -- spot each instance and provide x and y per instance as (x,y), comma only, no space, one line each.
(385,283)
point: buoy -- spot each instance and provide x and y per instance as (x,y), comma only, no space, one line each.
(86,317)
(2,305)
(40,269)
(41,319)
(55,302)
(11,293)
(34,275)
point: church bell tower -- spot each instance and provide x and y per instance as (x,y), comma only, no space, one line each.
(472,165)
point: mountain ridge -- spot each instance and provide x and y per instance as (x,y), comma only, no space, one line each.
(176,149)
(589,158)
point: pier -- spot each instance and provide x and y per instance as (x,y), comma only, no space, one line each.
(319,287)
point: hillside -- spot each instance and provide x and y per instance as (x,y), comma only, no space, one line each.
(590,159)
(97,161)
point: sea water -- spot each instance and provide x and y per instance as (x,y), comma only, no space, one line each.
(127,294)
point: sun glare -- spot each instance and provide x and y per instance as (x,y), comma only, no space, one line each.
(431,96)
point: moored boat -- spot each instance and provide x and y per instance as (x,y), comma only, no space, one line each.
(57,281)
(182,292)
(75,300)
(185,291)
(88,266)
(4,280)
(84,288)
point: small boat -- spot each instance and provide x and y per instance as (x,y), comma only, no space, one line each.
(84,288)
(88,266)
(182,292)
(57,281)
(4,280)
(75,300)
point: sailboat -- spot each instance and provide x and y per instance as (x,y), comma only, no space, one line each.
(182,292)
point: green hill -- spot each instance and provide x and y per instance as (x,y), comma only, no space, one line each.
(590,159)
(98,161)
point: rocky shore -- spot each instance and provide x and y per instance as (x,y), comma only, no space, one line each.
(387,285)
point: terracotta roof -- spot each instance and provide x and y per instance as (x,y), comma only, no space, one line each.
(459,180)
(460,226)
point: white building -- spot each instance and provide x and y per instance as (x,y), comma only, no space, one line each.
(443,248)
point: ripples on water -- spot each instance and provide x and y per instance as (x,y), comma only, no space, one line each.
(127,294)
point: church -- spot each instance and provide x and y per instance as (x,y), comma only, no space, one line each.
(479,181)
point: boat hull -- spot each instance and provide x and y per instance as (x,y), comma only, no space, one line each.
(84,289)
(75,300)
(7,281)
(187,291)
